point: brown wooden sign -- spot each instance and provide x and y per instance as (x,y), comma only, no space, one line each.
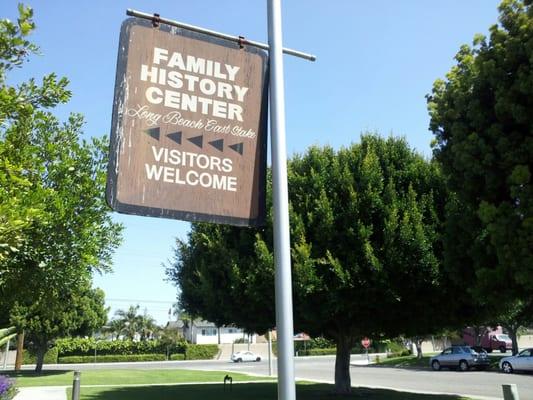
(188,136)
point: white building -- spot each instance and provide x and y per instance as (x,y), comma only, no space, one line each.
(205,332)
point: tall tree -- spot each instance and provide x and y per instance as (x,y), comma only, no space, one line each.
(365,224)
(54,194)
(114,328)
(17,211)
(130,320)
(80,311)
(147,326)
(516,315)
(482,121)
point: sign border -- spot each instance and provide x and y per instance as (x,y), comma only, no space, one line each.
(116,126)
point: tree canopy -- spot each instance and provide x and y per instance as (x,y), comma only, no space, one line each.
(132,325)
(365,228)
(483,126)
(55,226)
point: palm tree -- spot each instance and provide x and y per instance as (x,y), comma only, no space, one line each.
(115,327)
(130,321)
(147,326)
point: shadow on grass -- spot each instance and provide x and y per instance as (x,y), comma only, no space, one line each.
(31,373)
(255,391)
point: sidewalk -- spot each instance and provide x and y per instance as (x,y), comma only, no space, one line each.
(42,393)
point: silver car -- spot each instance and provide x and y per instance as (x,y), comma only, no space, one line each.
(523,361)
(461,357)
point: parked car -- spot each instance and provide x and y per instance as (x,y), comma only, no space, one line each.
(241,356)
(522,361)
(461,357)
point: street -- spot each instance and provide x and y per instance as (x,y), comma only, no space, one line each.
(485,384)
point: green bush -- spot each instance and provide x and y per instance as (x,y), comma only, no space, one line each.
(86,347)
(315,343)
(111,358)
(403,353)
(50,357)
(379,346)
(318,352)
(177,357)
(201,351)
(396,347)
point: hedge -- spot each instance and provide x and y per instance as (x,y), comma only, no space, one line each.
(403,353)
(318,352)
(86,347)
(50,357)
(112,358)
(201,351)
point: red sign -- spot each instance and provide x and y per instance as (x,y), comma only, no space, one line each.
(365,342)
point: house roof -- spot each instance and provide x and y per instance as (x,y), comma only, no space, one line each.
(200,323)
(175,324)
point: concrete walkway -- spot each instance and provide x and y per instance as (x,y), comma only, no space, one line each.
(42,393)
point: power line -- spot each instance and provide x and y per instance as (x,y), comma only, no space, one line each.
(140,301)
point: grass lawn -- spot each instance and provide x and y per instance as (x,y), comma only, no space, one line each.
(245,391)
(405,362)
(124,377)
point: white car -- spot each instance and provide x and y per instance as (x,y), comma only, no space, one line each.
(523,361)
(241,356)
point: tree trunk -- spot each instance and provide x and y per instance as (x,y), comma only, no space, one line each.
(343,383)
(418,344)
(20,350)
(478,335)
(39,352)
(514,338)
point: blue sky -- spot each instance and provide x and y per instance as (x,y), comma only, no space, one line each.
(376,61)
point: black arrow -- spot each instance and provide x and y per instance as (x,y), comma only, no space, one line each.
(175,137)
(238,147)
(218,144)
(153,132)
(197,140)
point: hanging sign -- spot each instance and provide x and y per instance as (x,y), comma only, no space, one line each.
(188,137)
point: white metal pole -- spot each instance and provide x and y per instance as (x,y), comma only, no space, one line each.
(7,354)
(284,320)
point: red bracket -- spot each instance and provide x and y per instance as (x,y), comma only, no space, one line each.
(242,41)
(156,19)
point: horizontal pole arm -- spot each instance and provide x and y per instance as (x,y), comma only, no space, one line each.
(209,32)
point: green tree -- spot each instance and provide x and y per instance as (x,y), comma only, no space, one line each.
(80,311)
(365,226)
(482,121)
(130,321)
(16,211)
(114,328)
(147,326)
(517,314)
(52,206)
